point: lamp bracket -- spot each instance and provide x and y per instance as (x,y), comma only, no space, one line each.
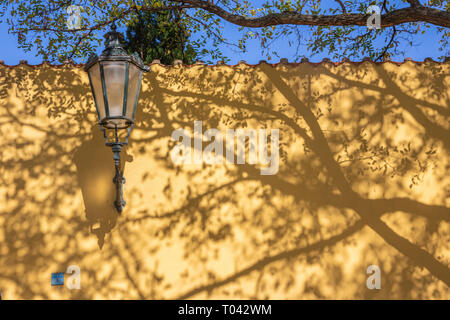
(116,146)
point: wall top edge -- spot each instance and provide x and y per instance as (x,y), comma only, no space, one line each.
(281,62)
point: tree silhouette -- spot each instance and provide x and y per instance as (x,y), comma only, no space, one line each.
(160,35)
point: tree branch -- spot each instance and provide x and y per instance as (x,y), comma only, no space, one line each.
(386,48)
(118,17)
(414,3)
(342,6)
(412,14)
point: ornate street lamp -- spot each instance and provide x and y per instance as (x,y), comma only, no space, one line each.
(115,79)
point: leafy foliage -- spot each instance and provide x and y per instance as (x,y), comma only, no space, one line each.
(160,35)
(41,24)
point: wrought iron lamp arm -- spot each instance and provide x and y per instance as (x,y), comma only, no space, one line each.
(116,146)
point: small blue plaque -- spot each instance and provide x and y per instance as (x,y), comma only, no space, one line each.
(58,279)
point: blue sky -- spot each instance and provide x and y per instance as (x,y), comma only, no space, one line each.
(426,45)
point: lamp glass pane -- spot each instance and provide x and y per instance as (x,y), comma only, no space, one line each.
(133,86)
(96,82)
(114,72)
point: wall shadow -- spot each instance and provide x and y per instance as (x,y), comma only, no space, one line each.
(363,180)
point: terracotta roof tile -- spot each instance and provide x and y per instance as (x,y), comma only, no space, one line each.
(283,61)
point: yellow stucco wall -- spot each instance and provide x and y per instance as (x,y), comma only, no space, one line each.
(224,231)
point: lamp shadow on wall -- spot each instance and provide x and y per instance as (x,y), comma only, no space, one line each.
(95,172)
